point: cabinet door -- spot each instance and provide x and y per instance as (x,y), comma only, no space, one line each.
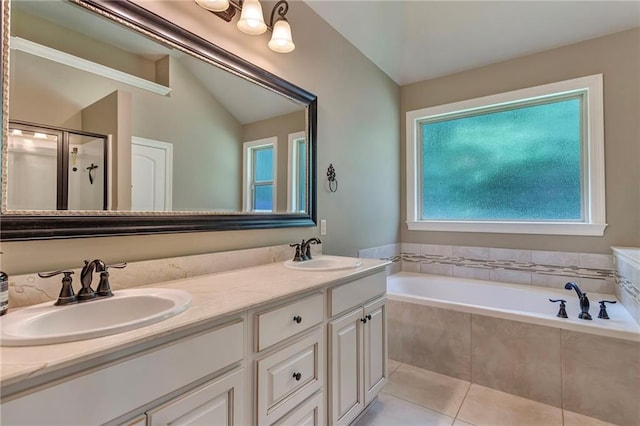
(219,402)
(375,348)
(345,367)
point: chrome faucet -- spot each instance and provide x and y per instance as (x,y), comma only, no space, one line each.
(584,301)
(305,246)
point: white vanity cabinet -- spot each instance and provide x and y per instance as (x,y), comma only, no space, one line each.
(108,392)
(314,355)
(218,402)
(290,373)
(357,346)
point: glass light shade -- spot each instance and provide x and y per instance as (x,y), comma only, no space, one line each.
(281,41)
(251,20)
(214,5)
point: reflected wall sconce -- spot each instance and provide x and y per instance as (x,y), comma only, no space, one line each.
(252,20)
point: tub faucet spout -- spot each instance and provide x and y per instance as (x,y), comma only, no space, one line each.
(584,301)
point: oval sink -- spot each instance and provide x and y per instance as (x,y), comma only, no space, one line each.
(325,263)
(128,309)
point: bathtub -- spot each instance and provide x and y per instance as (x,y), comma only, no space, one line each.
(507,337)
(515,302)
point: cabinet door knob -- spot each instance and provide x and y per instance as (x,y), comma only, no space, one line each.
(369,317)
(297,376)
(297,319)
(364,320)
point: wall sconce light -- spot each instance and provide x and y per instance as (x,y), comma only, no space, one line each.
(252,20)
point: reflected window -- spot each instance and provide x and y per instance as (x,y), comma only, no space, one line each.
(296,194)
(259,189)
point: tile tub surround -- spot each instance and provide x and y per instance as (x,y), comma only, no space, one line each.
(389,252)
(627,278)
(587,374)
(30,289)
(592,272)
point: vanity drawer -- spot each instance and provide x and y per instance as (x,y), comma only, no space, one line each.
(310,413)
(289,376)
(285,321)
(347,296)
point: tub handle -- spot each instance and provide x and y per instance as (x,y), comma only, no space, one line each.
(603,309)
(562,313)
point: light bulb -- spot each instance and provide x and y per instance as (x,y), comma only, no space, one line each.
(251,20)
(281,41)
(214,5)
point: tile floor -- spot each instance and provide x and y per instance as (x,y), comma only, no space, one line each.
(414,396)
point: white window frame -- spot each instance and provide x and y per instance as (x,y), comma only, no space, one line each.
(293,185)
(247,172)
(594,221)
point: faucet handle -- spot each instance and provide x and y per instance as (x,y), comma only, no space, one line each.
(104,287)
(562,313)
(66,295)
(603,308)
(116,265)
(298,256)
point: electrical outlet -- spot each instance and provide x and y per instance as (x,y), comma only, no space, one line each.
(323,227)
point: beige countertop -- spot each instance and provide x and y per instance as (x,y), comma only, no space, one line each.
(215,296)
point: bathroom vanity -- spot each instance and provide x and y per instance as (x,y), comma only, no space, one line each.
(262,345)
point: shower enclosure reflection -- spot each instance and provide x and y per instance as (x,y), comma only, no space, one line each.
(56,169)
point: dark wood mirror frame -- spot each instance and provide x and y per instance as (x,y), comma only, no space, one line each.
(20,227)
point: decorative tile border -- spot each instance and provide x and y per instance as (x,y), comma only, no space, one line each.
(627,279)
(593,272)
(508,265)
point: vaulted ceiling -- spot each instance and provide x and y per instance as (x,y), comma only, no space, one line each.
(418,40)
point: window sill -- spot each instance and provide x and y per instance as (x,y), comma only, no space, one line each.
(543,228)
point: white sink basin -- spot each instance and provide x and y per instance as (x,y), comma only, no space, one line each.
(128,309)
(325,263)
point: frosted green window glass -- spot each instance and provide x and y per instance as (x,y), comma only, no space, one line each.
(519,164)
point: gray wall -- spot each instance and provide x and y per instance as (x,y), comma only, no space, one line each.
(617,57)
(358,128)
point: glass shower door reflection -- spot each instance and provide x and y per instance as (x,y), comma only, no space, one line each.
(33,157)
(86,175)
(55,169)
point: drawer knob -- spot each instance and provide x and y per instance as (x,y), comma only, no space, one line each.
(297,319)
(297,376)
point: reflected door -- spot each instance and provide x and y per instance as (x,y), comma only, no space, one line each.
(151,175)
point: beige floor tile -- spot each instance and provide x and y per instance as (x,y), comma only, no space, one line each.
(431,390)
(484,406)
(459,422)
(575,419)
(389,410)
(392,365)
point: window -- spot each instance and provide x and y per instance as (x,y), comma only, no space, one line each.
(296,181)
(528,161)
(259,175)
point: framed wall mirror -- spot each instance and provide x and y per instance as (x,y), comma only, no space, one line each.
(118,122)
